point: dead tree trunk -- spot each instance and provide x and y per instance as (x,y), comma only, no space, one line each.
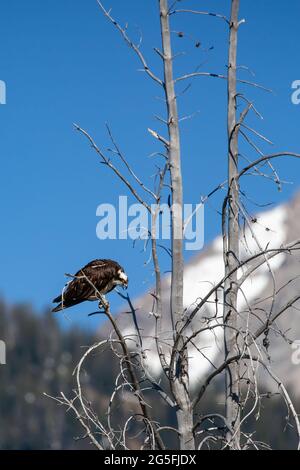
(180,377)
(231,245)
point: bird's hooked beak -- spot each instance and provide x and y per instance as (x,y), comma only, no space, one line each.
(124,279)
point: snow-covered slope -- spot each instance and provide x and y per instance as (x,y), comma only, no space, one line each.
(271,229)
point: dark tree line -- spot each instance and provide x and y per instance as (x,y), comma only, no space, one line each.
(41,357)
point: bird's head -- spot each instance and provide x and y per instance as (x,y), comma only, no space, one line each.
(123,278)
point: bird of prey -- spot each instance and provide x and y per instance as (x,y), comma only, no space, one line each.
(92,282)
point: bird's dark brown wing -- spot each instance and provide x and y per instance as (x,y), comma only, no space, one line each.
(102,271)
(77,291)
(108,267)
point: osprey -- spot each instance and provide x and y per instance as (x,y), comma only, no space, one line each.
(92,282)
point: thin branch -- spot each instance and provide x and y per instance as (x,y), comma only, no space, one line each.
(108,163)
(137,179)
(131,44)
(196,12)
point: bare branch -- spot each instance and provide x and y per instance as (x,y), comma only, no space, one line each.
(131,44)
(206,13)
(265,158)
(136,178)
(108,163)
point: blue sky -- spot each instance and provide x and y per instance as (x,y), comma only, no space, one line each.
(63,62)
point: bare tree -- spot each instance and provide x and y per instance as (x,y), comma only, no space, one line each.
(245,333)
(179,378)
(231,239)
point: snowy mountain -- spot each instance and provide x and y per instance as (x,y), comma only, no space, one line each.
(272,229)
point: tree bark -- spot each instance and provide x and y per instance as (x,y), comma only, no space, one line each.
(231,245)
(180,380)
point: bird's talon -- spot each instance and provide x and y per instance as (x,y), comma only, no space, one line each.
(103,304)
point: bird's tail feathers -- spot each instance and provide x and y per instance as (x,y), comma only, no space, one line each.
(57,300)
(58,308)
